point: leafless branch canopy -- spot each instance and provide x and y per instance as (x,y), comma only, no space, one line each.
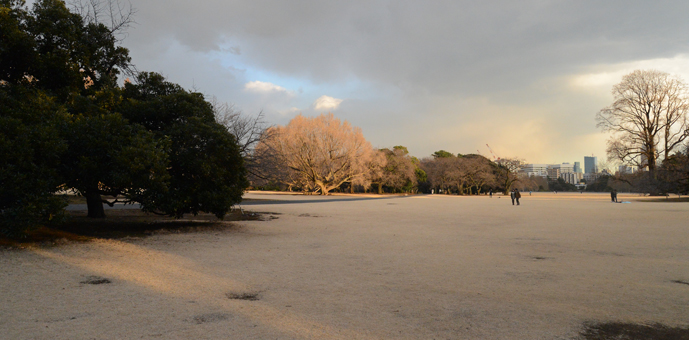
(247,130)
(648,119)
(114,14)
(315,154)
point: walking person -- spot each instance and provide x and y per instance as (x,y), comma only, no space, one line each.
(612,195)
(512,196)
(614,192)
(517,195)
(490,193)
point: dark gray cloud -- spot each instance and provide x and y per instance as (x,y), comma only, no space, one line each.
(427,74)
(438,46)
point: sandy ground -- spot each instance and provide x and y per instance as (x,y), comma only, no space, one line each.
(339,267)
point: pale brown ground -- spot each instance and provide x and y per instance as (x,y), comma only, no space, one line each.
(366,267)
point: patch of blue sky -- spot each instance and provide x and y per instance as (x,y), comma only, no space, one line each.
(351,87)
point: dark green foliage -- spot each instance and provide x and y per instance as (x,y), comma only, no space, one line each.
(561,185)
(16,45)
(30,146)
(54,50)
(442,154)
(206,169)
(65,123)
(109,156)
(673,174)
(600,185)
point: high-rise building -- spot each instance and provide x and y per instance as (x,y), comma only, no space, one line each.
(627,169)
(572,177)
(577,167)
(590,164)
(553,173)
(564,168)
(535,170)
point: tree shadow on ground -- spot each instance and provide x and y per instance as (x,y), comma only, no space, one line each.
(317,199)
(128,223)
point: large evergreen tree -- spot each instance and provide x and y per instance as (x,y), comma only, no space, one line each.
(206,168)
(65,123)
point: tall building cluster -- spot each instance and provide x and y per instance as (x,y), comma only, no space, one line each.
(571,173)
(567,171)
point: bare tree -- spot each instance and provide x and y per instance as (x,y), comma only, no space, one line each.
(478,173)
(648,119)
(507,172)
(376,172)
(446,173)
(322,152)
(248,131)
(395,169)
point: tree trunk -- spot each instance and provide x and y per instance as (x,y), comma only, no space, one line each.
(324,190)
(351,188)
(380,188)
(94,204)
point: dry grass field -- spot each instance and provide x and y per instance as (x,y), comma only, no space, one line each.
(559,266)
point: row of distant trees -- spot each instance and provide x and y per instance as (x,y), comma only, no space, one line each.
(323,154)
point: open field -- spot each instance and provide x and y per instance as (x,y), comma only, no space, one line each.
(366,267)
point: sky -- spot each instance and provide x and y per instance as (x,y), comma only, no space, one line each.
(525,77)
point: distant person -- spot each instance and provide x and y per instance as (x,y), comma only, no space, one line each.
(614,195)
(512,196)
(517,195)
(490,193)
(529,192)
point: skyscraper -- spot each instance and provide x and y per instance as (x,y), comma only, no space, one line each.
(577,167)
(590,164)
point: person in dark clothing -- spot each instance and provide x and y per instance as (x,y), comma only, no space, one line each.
(613,195)
(517,195)
(512,196)
(490,193)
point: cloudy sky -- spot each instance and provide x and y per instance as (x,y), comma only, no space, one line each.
(526,77)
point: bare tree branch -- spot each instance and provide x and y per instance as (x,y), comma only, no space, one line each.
(648,118)
(114,14)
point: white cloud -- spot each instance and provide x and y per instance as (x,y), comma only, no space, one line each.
(289,112)
(326,103)
(605,76)
(264,87)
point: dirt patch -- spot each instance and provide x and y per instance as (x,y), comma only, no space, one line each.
(95,280)
(210,317)
(540,258)
(631,331)
(308,215)
(253,296)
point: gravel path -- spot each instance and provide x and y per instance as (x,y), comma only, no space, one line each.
(366,267)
